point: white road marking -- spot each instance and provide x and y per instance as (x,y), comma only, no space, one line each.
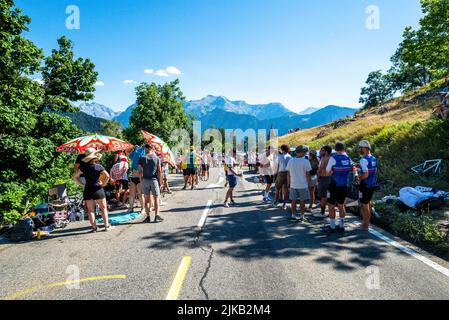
(204,216)
(216,185)
(410,252)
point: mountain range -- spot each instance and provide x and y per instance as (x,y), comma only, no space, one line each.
(220,112)
(98,110)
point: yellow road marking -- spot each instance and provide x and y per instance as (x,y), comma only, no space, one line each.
(179,279)
(25,292)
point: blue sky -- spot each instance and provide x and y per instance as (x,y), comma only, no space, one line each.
(300,53)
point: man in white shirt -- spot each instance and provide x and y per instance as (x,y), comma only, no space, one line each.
(281,180)
(266,171)
(299,180)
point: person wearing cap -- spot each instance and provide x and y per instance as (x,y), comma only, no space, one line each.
(119,176)
(96,177)
(339,167)
(299,181)
(368,181)
(150,173)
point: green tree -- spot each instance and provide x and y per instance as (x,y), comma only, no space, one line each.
(66,78)
(29,132)
(112,128)
(423,54)
(378,90)
(160,110)
(409,69)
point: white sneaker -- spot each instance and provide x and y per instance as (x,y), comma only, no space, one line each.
(226,204)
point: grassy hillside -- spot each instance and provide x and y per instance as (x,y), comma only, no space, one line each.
(404,133)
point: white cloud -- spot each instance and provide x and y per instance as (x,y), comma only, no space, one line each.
(173,70)
(99,84)
(167,72)
(40,81)
(161,73)
(129,82)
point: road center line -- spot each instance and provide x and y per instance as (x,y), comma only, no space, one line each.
(410,252)
(28,291)
(203,219)
(179,279)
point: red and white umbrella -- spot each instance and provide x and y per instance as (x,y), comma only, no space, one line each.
(96,141)
(160,147)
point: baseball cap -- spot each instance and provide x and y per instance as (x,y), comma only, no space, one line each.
(364,144)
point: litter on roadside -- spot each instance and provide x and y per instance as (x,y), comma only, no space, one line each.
(422,198)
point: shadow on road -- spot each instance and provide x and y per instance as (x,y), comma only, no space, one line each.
(259,232)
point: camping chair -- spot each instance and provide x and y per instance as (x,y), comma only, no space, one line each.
(57,202)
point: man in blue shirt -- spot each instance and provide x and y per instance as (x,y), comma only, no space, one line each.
(339,167)
(368,181)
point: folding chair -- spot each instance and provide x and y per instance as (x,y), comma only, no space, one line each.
(57,202)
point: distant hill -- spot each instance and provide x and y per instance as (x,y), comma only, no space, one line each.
(123,117)
(86,122)
(308,111)
(98,110)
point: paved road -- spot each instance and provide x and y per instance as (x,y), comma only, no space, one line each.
(250,251)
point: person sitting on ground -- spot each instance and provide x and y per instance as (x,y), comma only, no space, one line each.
(96,177)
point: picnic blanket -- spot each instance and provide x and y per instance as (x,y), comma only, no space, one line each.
(119,218)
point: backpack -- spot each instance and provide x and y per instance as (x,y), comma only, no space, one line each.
(22,231)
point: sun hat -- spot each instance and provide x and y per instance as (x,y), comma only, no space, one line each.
(314,152)
(364,144)
(91,154)
(301,149)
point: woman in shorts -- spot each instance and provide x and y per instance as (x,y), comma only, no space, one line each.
(96,177)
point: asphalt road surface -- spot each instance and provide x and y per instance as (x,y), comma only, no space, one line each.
(249,251)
